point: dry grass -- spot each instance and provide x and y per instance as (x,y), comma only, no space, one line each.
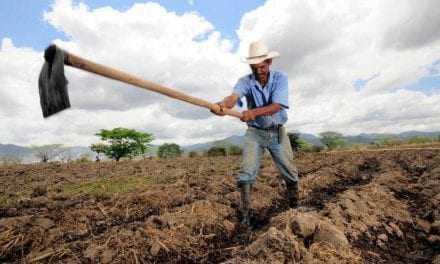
(115,185)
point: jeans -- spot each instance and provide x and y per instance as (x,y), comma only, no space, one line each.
(277,142)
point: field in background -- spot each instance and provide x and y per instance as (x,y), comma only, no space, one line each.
(356,207)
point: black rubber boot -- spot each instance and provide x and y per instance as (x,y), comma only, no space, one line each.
(292,194)
(245,190)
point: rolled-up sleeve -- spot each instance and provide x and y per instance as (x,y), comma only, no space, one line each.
(241,89)
(281,92)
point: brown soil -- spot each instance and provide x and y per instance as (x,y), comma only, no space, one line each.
(356,207)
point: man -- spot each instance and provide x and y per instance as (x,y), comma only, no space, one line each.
(266,94)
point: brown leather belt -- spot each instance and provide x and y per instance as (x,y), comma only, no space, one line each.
(272,128)
(275,128)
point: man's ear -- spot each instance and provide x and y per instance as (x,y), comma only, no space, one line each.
(269,61)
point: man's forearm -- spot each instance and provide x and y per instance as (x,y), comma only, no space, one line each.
(267,110)
(230,100)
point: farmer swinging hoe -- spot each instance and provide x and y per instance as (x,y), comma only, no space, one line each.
(265,90)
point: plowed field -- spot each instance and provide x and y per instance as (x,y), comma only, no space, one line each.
(356,207)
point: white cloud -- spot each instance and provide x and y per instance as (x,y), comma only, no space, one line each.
(325,46)
(180,51)
(147,41)
(414,29)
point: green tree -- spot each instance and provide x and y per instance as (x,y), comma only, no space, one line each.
(98,148)
(122,142)
(167,150)
(332,139)
(303,145)
(216,151)
(420,140)
(234,150)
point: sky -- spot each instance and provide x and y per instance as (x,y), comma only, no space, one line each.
(353,66)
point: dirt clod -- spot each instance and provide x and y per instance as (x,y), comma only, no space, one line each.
(107,256)
(39,191)
(44,223)
(304,225)
(330,234)
(435,228)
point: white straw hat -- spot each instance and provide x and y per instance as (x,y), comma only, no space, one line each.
(258,52)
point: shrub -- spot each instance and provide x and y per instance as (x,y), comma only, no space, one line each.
(420,140)
(302,145)
(235,150)
(316,148)
(332,140)
(169,151)
(193,154)
(83,158)
(388,142)
(216,151)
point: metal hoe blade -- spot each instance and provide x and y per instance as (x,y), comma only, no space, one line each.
(52,83)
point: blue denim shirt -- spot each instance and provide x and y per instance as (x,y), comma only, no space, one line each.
(275,91)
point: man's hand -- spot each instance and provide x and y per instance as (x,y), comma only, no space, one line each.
(227,103)
(248,115)
(219,109)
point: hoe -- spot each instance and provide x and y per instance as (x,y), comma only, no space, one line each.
(53,84)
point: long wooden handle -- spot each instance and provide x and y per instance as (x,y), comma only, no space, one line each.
(86,65)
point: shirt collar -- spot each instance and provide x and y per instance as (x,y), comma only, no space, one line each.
(255,82)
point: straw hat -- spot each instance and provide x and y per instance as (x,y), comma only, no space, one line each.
(258,52)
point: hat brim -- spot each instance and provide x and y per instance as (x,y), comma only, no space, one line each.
(259,59)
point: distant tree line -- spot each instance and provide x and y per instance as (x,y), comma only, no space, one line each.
(217,151)
(333,140)
(121,143)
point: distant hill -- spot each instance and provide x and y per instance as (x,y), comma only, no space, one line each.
(14,150)
(10,150)
(26,156)
(371,138)
(410,134)
(312,139)
(362,138)
(232,140)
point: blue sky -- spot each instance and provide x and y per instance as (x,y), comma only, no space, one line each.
(385,60)
(428,84)
(26,27)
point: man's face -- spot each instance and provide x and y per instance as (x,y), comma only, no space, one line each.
(261,70)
